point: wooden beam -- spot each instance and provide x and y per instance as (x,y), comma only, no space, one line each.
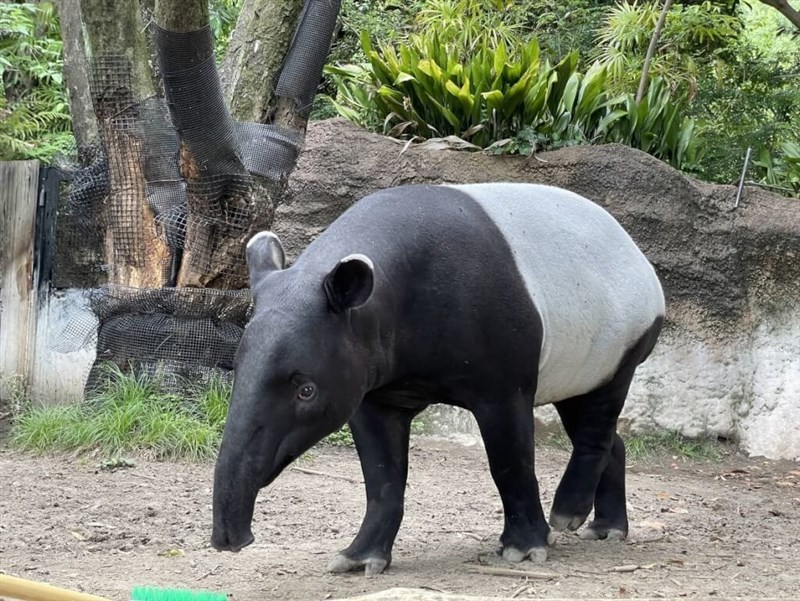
(18,199)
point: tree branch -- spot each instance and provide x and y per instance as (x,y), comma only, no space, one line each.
(651,49)
(255,55)
(76,75)
(783,7)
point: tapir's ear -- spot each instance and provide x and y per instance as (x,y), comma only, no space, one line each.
(349,284)
(264,253)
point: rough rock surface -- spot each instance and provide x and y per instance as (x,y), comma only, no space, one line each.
(729,361)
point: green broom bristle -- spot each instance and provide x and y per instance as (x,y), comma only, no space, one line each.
(147,593)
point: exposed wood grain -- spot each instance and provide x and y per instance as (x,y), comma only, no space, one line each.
(18,196)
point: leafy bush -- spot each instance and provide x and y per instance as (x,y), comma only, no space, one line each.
(34,114)
(655,124)
(780,170)
(690,33)
(750,97)
(498,92)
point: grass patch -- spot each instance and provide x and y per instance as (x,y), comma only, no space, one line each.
(129,414)
(136,415)
(651,446)
(659,444)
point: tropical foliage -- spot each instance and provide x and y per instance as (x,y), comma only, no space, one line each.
(725,78)
(487,86)
(34,114)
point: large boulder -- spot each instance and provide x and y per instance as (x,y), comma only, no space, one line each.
(728,363)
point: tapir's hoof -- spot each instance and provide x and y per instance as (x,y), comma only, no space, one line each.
(595,532)
(372,565)
(566,522)
(536,554)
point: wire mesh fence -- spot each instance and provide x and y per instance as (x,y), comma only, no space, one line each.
(154,225)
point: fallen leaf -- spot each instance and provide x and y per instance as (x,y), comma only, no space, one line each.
(172,553)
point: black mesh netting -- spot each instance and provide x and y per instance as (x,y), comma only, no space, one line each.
(307,53)
(155,225)
(183,334)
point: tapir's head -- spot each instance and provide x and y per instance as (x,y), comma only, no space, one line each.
(300,374)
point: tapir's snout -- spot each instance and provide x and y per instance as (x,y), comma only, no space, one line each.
(226,541)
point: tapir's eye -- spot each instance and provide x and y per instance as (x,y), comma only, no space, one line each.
(306,392)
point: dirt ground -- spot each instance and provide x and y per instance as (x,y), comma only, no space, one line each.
(699,529)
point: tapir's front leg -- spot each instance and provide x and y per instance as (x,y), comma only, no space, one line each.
(381,434)
(507,431)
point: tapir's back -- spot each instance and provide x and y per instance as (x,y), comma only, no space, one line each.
(595,291)
(505,251)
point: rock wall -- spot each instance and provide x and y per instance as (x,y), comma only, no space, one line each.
(728,363)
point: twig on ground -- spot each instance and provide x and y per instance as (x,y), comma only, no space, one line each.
(516,573)
(624,569)
(211,573)
(520,590)
(434,589)
(303,470)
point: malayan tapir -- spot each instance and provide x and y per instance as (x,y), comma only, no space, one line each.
(493,297)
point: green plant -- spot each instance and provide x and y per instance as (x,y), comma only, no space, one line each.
(690,33)
(469,25)
(222,16)
(341,438)
(354,99)
(34,114)
(750,97)
(134,414)
(673,444)
(425,88)
(780,170)
(504,98)
(656,124)
(128,414)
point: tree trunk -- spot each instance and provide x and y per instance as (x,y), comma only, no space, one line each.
(184,15)
(248,74)
(258,46)
(218,184)
(651,49)
(268,78)
(76,77)
(121,78)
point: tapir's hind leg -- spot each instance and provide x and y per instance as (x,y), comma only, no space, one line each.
(610,513)
(507,432)
(381,434)
(595,472)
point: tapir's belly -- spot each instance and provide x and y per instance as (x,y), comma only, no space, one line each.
(595,291)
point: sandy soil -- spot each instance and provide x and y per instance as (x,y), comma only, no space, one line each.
(699,529)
